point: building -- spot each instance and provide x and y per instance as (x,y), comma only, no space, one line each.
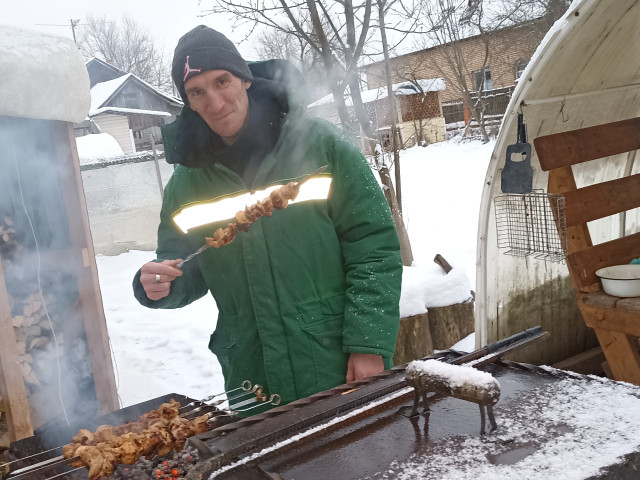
(509,51)
(126,107)
(418,111)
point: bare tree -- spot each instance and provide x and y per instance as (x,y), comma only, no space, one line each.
(128,46)
(272,43)
(337,33)
(450,22)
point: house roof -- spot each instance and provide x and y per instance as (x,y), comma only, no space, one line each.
(44,76)
(128,111)
(403,88)
(101,71)
(102,93)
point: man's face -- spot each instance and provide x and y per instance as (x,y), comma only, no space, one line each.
(221,99)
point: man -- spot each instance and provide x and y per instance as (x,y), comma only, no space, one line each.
(307,298)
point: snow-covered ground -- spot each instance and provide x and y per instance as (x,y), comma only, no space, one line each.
(157,352)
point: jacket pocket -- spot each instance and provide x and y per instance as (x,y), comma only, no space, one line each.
(327,332)
(324,364)
(223,347)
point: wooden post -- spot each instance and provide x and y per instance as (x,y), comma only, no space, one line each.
(155,160)
(90,298)
(14,394)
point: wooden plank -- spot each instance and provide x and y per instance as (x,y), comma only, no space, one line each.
(600,299)
(90,298)
(602,200)
(577,146)
(612,319)
(14,394)
(584,263)
(629,304)
(586,363)
(622,355)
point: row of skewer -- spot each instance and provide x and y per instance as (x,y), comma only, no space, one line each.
(179,423)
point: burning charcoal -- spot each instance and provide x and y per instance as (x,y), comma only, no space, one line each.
(172,467)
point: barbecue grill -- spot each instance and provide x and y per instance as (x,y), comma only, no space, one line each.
(365,429)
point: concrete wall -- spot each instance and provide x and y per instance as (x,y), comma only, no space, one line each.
(124,203)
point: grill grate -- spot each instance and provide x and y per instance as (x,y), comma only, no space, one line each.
(532,224)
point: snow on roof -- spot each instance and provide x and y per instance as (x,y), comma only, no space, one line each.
(138,111)
(402,88)
(43,76)
(101,92)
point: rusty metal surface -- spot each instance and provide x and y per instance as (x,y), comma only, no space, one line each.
(370,448)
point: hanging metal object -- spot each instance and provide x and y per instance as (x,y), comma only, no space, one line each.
(517,176)
(532,224)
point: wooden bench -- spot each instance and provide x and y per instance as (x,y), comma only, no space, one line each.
(616,321)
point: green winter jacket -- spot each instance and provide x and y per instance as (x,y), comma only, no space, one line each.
(302,289)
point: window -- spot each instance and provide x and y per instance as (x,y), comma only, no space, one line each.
(482,79)
(520,66)
(130,100)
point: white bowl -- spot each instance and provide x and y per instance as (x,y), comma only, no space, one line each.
(621,280)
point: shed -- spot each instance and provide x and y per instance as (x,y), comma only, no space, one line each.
(419,112)
(585,73)
(55,360)
(128,108)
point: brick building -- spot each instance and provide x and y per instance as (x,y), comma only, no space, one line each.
(509,52)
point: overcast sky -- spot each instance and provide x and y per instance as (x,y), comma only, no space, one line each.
(166,20)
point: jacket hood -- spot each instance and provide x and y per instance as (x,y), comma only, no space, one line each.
(188,139)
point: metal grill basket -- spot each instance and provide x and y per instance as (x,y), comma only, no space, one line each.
(532,224)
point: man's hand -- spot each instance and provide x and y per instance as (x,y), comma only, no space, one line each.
(362,365)
(156,278)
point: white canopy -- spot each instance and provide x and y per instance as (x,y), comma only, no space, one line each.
(586,72)
(42,76)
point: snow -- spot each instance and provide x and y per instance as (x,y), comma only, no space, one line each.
(96,146)
(139,111)
(572,428)
(403,88)
(160,350)
(43,76)
(101,92)
(454,376)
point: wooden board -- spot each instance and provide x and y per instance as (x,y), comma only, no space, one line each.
(12,387)
(585,204)
(612,319)
(622,355)
(584,263)
(90,298)
(577,146)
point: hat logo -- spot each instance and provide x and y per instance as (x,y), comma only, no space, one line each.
(188,69)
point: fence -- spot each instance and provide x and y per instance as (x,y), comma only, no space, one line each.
(123,200)
(495,105)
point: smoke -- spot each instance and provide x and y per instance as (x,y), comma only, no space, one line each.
(41,268)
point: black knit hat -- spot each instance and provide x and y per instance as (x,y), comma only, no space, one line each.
(203,49)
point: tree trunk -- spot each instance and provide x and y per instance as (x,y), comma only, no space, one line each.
(389,193)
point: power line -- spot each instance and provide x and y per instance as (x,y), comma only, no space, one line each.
(72,22)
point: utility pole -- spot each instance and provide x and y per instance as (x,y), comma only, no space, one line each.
(73,28)
(73,22)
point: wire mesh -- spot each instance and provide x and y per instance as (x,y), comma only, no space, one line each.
(532,224)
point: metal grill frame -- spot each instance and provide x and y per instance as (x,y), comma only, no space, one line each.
(532,224)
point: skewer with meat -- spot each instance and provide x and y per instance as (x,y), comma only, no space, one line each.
(157,432)
(277,200)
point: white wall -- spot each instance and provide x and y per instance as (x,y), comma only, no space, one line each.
(118,127)
(124,205)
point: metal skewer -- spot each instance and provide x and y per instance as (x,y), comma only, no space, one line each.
(205,246)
